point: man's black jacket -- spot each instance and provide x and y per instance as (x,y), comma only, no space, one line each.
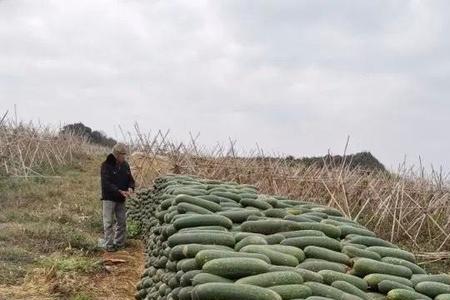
(115,177)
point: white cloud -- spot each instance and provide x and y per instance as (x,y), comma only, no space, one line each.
(293,76)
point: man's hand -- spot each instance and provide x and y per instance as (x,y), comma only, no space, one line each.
(130,191)
(124,194)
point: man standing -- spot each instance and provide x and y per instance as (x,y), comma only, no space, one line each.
(117,184)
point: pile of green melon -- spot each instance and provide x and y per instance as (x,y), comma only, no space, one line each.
(214,240)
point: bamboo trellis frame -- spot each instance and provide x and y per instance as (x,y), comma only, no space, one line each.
(407,207)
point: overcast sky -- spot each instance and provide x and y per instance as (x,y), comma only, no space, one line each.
(296,76)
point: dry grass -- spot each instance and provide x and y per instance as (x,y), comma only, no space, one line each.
(28,149)
(40,216)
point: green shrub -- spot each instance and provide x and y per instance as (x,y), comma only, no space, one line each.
(133,229)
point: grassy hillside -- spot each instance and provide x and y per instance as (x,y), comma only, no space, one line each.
(361,160)
(49,234)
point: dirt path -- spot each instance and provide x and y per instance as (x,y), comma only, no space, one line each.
(122,272)
(117,278)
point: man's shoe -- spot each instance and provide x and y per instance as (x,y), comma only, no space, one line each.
(119,247)
(111,249)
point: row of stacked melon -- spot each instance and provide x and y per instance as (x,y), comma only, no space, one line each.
(213,240)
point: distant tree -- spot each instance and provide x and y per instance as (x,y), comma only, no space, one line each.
(95,137)
(290,158)
(77,128)
(98,137)
(363,160)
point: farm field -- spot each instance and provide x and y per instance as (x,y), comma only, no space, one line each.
(50,219)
